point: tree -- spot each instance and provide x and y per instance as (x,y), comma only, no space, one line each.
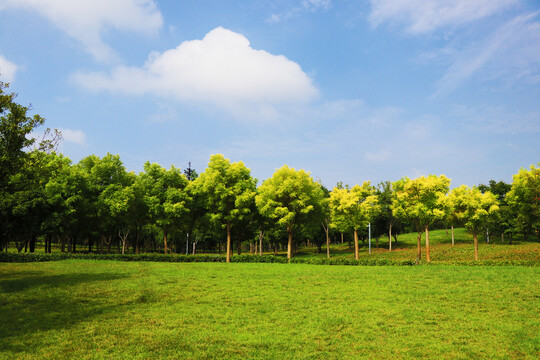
(473,208)
(229,190)
(15,128)
(524,200)
(165,196)
(385,195)
(290,198)
(354,208)
(421,201)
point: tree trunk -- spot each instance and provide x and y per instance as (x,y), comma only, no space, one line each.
(341,238)
(165,240)
(239,245)
(228,243)
(419,248)
(327,244)
(452,235)
(63,243)
(390,237)
(194,248)
(502,237)
(261,235)
(427,245)
(289,244)
(356,255)
(475,238)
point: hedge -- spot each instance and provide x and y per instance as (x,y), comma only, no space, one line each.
(38,257)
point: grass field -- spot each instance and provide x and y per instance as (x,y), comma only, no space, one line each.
(107,310)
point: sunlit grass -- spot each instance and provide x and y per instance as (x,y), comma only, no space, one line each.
(100,309)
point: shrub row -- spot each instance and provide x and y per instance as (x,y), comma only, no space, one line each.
(37,257)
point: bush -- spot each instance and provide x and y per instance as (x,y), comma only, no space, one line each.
(37,257)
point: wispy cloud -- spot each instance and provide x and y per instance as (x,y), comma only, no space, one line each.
(7,70)
(73,136)
(87,20)
(306,6)
(423,16)
(511,53)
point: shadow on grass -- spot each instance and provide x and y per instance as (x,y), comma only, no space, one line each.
(38,303)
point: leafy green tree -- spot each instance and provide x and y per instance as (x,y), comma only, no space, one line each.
(524,200)
(165,197)
(354,208)
(421,201)
(290,198)
(474,209)
(385,196)
(15,129)
(229,190)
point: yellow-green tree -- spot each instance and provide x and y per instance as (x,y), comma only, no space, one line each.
(229,190)
(524,200)
(291,198)
(421,201)
(353,208)
(473,208)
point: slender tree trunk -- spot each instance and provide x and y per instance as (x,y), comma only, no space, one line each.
(419,248)
(194,243)
(475,238)
(165,240)
(228,243)
(452,235)
(290,244)
(261,235)
(390,237)
(427,245)
(502,237)
(327,244)
(341,238)
(356,254)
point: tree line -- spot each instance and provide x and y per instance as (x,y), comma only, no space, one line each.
(97,205)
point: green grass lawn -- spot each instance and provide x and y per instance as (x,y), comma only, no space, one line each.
(441,248)
(84,309)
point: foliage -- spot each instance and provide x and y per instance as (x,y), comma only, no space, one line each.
(524,200)
(291,198)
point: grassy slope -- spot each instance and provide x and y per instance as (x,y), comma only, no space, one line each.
(441,249)
(101,309)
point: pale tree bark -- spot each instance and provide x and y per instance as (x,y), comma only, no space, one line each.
(452,235)
(228,243)
(427,245)
(356,255)
(289,244)
(326,228)
(165,240)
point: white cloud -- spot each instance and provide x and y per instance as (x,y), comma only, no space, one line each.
(87,20)
(511,53)
(7,70)
(74,136)
(423,16)
(221,69)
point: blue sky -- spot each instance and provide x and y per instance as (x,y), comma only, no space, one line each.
(348,90)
